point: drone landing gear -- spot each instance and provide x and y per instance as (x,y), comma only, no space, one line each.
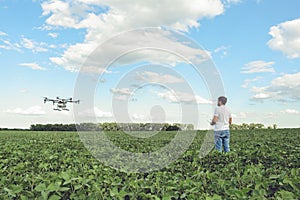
(66,109)
(56,109)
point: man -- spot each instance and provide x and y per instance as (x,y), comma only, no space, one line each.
(221,120)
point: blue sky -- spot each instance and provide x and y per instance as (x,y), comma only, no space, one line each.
(254,44)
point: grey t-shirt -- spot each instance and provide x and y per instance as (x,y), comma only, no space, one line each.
(223,114)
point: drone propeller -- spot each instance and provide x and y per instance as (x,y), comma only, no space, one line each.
(77,101)
(57,97)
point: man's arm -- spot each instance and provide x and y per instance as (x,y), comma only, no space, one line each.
(214,120)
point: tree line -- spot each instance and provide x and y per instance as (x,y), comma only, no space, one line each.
(112,126)
(251,126)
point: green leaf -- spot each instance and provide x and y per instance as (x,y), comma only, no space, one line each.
(274,176)
(52,187)
(40,187)
(293,172)
(63,189)
(290,182)
(76,187)
(54,197)
(23,197)
(9,192)
(286,195)
(167,196)
(16,189)
(65,176)
(114,191)
(214,197)
(122,194)
(67,182)
(44,195)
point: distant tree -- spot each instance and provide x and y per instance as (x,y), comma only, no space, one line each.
(235,127)
(245,126)
(173,128)
(105,126)
(260,126)
(190,127)
(165,126)
(252,126)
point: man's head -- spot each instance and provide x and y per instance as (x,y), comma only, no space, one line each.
(222,101)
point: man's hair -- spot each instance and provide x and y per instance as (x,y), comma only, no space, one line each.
(222,99)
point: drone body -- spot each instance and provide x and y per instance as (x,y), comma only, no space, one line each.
(61,104)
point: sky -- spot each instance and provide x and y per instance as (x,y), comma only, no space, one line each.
(49,47)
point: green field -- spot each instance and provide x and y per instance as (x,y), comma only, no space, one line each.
(263,164)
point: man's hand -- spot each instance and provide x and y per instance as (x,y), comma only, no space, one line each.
(212,123)
(230,120)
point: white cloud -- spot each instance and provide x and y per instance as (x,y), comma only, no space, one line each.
(95,112)
(177,14)
(23,91)
(121,91)
(33,46)
(75,55)
(287,80)
(286,38)
(122,16)
(53,35)
(121,97)
(4,47)
(155,77)
(25,43)
(65,14)
(261,96)
(258,66)
(92,69)
(8,45)
(258,89)
(3,33)
(290,111)
(100,113)
(223,50)
(182,97)
(34,66)
(262,93)
(233,1)
(140,117)
(240,115)
(34,110)
(283,88)
(247,82)
(121,94)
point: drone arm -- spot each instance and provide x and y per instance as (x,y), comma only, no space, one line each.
(74,101)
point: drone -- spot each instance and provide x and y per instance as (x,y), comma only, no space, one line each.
(61,104)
